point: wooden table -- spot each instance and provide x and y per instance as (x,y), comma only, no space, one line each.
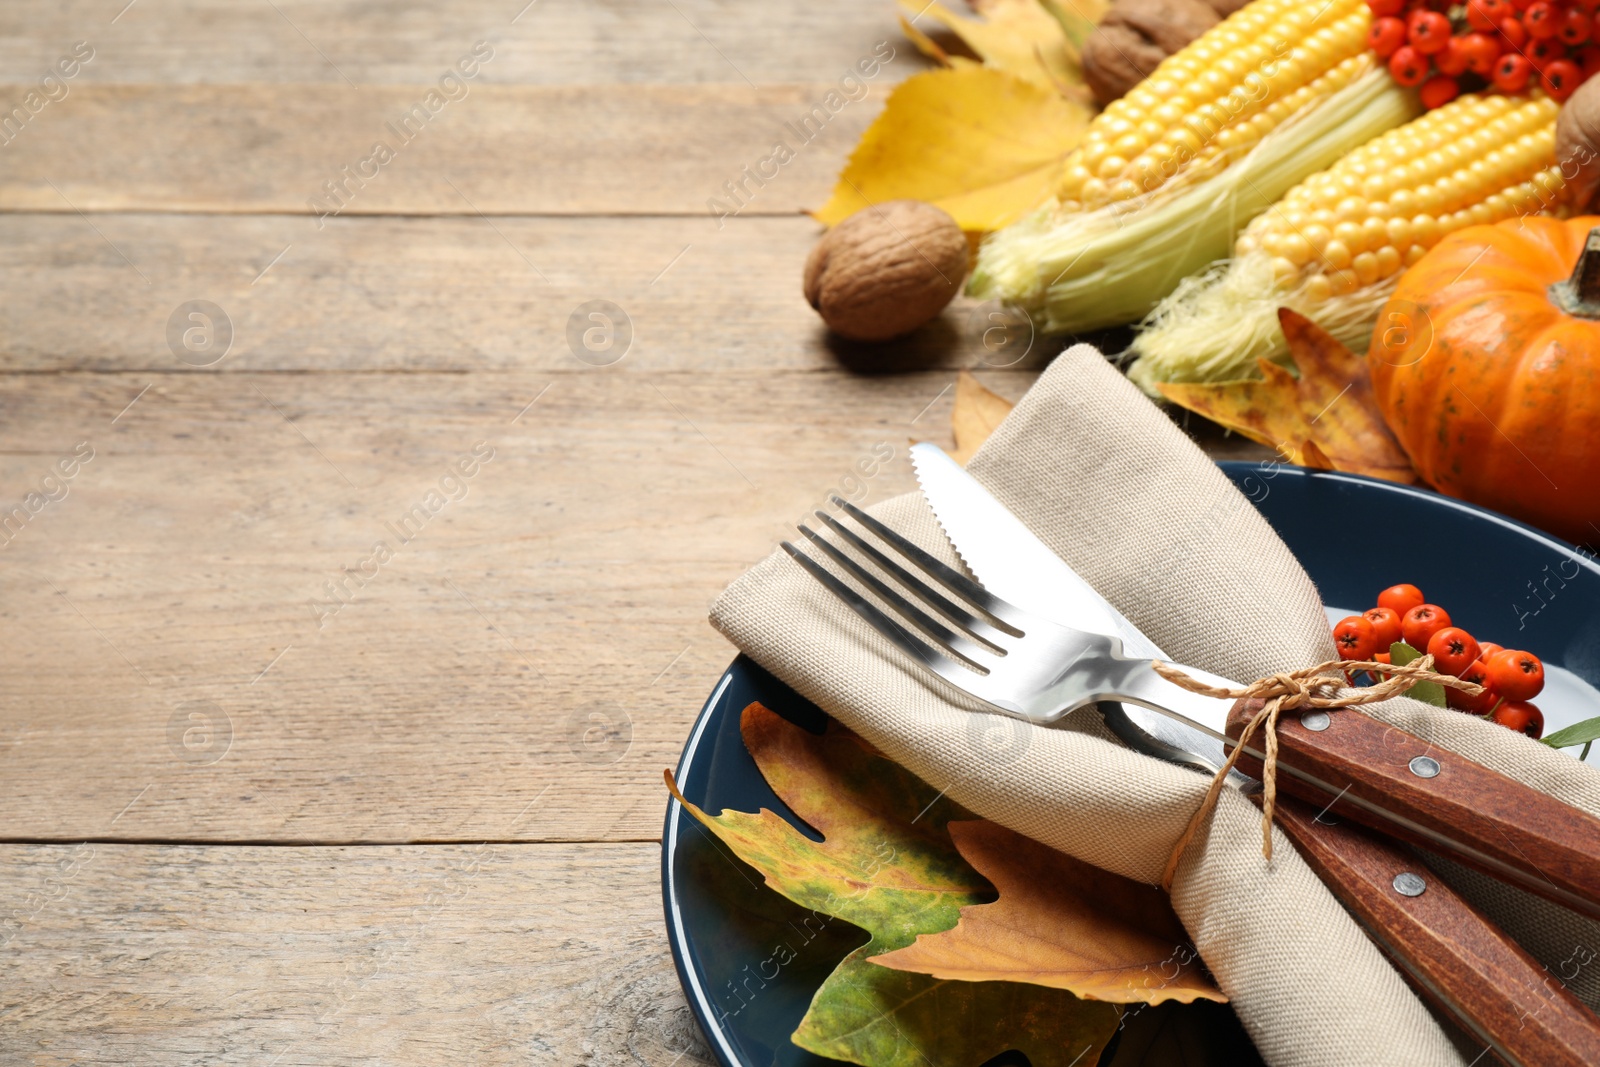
(273,795)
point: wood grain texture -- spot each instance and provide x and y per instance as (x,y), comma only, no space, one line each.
(481,954)
(445,294)
(412,41)
(1455,955)
(499,150)
(1471,813)
(191,559)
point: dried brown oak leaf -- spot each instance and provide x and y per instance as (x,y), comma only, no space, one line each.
(886,270)
(1062,923)
(1325,417)
(974,416)
(1134,37)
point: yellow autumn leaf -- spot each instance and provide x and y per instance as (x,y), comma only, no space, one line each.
(984,145)
(974,415)
(1017,36)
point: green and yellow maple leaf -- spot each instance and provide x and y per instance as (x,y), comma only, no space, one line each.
(886,863)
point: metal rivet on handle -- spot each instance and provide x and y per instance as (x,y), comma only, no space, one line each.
(1409,885)
(1425,767)
(1317,721)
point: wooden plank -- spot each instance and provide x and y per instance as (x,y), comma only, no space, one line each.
(494,954)
(186,571)
(452,294)
(178,666)
(413,41)
(594,149)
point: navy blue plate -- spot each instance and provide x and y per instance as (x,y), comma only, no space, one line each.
(747,965)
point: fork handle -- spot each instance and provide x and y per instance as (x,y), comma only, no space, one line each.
(1457,957)
(1398,783)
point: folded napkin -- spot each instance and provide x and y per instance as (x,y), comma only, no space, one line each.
(1107,481)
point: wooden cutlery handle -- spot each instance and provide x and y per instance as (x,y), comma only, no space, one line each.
(1456,956)
(1410,789)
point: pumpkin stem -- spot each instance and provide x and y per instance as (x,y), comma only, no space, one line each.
(1580,294)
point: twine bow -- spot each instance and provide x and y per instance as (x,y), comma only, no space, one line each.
(1312,687)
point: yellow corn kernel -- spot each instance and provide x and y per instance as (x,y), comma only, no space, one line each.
(1478,159)
(1214,100)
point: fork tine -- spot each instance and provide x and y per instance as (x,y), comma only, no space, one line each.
(944,666)
(1000,611)
(980,628)
(948,639)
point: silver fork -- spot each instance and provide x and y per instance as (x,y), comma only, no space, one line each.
(1015,661)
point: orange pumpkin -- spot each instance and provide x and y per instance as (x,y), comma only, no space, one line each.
(1486,364)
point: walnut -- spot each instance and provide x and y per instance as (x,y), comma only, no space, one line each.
(886,270)
(1134,37)
(1578,145)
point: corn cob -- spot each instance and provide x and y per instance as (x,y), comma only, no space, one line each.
(1334,247)
(1167,176)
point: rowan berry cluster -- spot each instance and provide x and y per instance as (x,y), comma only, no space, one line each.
(1508,44)
(1510,678)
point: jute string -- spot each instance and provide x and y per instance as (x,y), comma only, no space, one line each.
(1312,687)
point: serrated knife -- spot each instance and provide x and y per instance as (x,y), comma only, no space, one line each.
(1452,953)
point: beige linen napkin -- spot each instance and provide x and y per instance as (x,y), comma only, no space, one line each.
(1107,481)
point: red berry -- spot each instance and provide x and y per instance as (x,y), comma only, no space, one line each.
(1439,91)
(1386,35)
(1429,31)
(1381,657)
(1511,29)
(1542,53)
(1408,66)
(1515,675)
(1487,649)
(1482,16)
(1482,52)
(1419,624)
(1453,650)
(1386,8)
(1511,74)
(1354,638)
(1575,27)
(1520,716)
(1520,5)
(1452,62)
(1385,626)
(1541,19)
(1561,78)
(1589,61)
(1401,598)
(1481,704)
